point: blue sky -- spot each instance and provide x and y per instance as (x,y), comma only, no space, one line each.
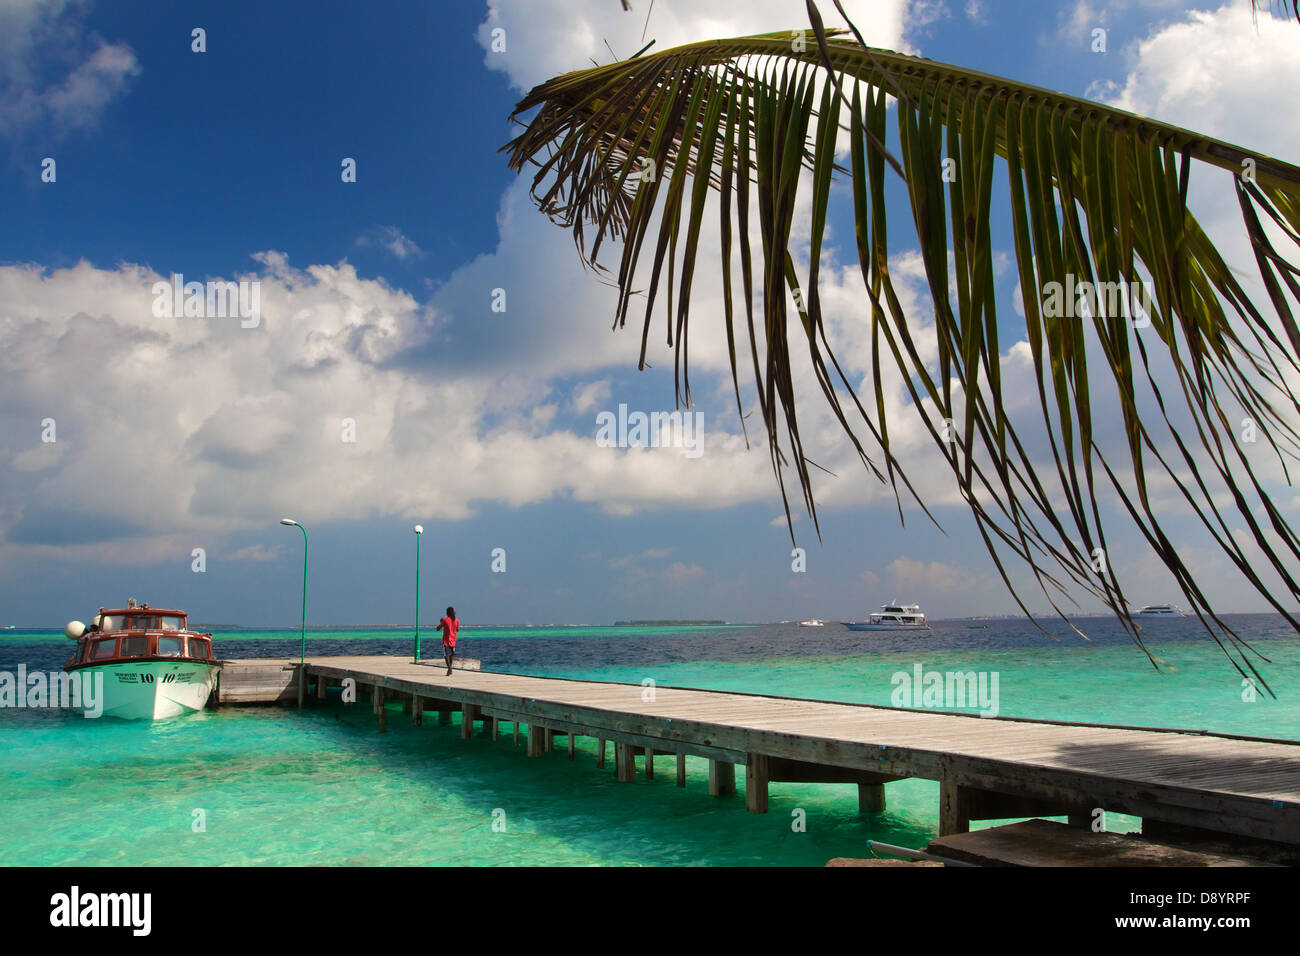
(377,309)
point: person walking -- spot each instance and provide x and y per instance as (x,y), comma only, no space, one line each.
(449,625)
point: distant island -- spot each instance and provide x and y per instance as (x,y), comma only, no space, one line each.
(666,623)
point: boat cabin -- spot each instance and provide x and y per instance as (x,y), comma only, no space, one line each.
(899,614)
(136,633)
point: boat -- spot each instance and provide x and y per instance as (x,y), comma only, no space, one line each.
(813,623)
(1158,610)
(153,665)
(892,617)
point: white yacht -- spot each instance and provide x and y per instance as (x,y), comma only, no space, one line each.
(892,617)
(813,623)
(1159,610)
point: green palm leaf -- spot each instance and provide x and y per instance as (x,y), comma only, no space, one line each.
(1096,195)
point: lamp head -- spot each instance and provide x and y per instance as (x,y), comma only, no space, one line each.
(419,529)
(289,521)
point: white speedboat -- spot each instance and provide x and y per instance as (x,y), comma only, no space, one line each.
(153,666)
(892,617)
(1158,610)
(813,623)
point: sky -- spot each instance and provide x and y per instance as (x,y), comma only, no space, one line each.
(152,456)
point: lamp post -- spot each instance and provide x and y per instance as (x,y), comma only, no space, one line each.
(419,530)
(293,524)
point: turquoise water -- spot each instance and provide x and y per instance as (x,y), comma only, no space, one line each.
(324,787)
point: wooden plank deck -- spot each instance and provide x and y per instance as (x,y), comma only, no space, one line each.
(1044,843)
(1249,787)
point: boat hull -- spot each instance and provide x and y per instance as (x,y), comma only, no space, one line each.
(887,627)
(155,690)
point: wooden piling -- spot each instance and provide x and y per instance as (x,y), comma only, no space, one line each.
(600,752)
(681,769)
(954,809)
(871,798)
(625,762)
(757,774)
(722,778)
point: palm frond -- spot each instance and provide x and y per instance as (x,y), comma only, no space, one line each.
(1096,195)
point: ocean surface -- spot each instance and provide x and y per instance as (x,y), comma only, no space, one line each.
(266,786)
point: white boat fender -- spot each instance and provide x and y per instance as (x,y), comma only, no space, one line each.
(74,630)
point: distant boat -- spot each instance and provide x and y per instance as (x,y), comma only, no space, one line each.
(892,617)
(813,623)
(9,627)
(1159,610)
(154,666)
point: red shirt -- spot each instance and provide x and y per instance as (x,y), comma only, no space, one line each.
(449,627)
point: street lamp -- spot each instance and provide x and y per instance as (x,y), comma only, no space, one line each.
(293,524)
(419,530)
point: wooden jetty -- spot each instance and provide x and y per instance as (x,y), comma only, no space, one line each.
(987,767)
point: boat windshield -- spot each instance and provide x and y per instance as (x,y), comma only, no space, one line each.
(135,646)
(169,647)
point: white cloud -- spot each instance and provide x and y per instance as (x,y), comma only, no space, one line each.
(912,577)
(545,38)
(392,239)
(590,396)
(53,76)
(258,553)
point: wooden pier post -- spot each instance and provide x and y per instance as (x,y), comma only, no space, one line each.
(417,710)
(516,733)
(649,763)
(496,727)
(722,778)
(548,740)
(467,714)
(757,774)
(871,798)
(681,769)
(954,808)
(381,709)
(322,684)
(600,752)
(572,735)
(625,762)
(444,716)
(536,735)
